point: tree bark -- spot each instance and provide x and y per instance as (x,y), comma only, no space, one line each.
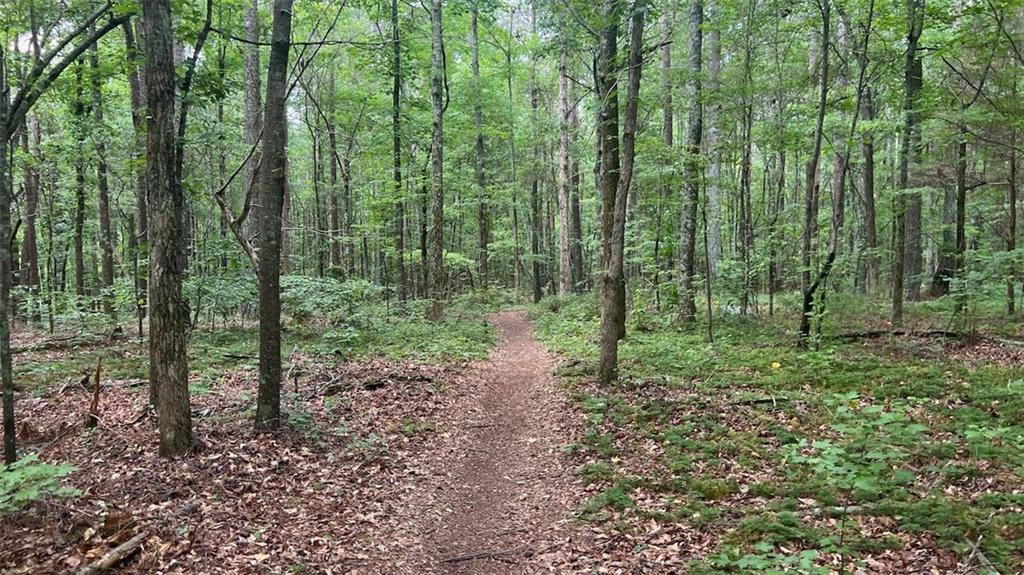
(868,194)
(253,103)
(435,273)
(483,218)
(714,113)
(273,178)
(396,129)
(10,451)
(616,179)
(911,65)
(168,315)
(576,226)
(565,271)
(30,244)
(811,176)
(78,112)
(608,142)
(691,168)
(961,210)
(332,144)
(535,223)
(138,110)
(1011,224)
(103,188)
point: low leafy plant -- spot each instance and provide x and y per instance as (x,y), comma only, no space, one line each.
(28,480)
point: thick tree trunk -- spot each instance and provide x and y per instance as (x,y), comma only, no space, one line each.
(168,316)
(396,132)
(691,168)
(435,273)
(273,180)
(102,187)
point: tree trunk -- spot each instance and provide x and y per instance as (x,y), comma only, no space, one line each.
(868,195)
(691,169)
(435,273)
(714,113)
(332,143)
(615,183)
(746,216)
(78,112)
(253,103)
(103,188)
(169,316)
(565,271)
(396,127)
(911,66)
(576,226)
(10,452)
(535,223)
(608,142)
(138,107)
(1011,224)
(961,212)
(811,186)
(30,244)
(483,223)
(273,180)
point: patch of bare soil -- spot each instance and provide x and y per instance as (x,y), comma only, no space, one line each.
(495,495)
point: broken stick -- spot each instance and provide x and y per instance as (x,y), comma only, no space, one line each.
(92,419)
(114,556)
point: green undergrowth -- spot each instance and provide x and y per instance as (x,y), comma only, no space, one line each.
(331,334)
(793,457)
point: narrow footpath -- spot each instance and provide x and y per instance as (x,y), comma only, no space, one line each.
(496,495)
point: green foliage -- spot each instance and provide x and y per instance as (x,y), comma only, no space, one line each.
(27,480)
(894,429)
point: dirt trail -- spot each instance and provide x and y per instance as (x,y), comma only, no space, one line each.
(495,496)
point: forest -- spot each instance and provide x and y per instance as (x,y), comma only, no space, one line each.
(511,286)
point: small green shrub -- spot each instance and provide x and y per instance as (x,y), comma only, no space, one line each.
(27,480)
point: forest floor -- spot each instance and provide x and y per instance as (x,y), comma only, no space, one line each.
(384,467)
(470,448)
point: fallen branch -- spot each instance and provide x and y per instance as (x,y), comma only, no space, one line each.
(979,559)
(759,400)
(872,334)
(114,556)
